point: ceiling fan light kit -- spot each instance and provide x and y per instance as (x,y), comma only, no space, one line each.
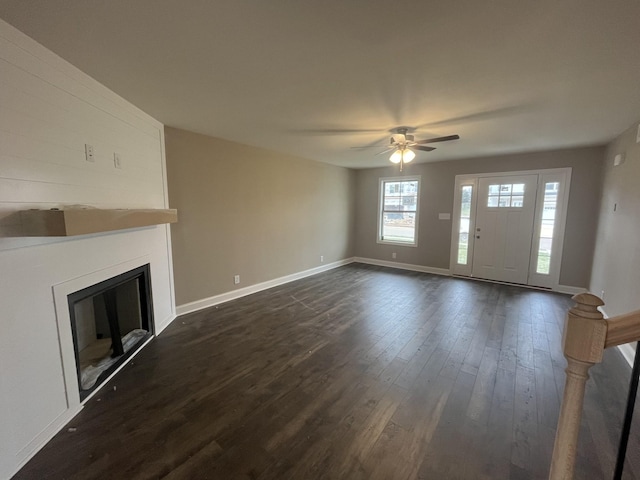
(402,155)
(401,142)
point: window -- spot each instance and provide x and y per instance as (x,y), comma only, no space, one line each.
(547,226)
(398,215)
(506,195)
(465,219)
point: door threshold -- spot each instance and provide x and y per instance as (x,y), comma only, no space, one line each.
(500,282)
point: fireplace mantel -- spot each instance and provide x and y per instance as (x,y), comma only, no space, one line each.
(82,221)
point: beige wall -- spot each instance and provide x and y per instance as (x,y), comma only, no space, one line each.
(251,212)
(434,236)
(616,265)
(263,215)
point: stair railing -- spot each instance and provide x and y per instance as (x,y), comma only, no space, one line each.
(586,335)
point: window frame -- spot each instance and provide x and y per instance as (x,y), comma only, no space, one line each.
(381,196)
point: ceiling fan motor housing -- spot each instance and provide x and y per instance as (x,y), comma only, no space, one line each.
(401,139)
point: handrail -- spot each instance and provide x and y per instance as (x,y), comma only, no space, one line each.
(586,335)
(623,329)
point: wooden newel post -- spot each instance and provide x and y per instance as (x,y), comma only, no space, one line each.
(583,341)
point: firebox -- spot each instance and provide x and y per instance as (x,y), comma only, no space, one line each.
(110,321)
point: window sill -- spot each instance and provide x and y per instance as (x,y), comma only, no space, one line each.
(399,244)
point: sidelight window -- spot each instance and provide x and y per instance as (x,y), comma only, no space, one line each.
(465,220)
(547,227)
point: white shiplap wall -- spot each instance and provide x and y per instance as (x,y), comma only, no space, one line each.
(48,111)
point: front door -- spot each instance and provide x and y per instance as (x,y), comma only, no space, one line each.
(503,227)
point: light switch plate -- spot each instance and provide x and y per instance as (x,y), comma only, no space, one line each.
(444,216)
(638,135)
(117,160)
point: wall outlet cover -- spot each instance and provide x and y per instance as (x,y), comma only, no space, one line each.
(117,160)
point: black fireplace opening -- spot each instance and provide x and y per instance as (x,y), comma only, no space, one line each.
(110,321)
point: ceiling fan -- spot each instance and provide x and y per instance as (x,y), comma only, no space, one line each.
(403,144)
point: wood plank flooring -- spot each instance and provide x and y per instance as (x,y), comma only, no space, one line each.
(361,372)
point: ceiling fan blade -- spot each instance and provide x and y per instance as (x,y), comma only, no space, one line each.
(423,148)
(386,151)
(382,145)
(336,131)
(438,139)
(481,116)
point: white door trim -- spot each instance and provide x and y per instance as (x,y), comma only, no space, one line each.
(545,175)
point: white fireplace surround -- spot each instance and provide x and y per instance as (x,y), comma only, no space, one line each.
(54,110)
(61,292)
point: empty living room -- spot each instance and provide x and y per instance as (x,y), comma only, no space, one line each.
(319,240)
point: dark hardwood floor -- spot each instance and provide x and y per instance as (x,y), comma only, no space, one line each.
(361,372)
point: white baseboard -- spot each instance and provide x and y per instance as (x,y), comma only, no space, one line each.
(570,290)
(258,287)
(403,266)
(160,326)
(235,294)
(50,431)
(444,271)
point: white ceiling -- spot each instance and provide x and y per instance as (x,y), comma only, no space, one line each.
(506,75)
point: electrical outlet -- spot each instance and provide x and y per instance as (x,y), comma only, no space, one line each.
(321,258)
(117,160)
(88,153)
(236,279)
(393,255)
